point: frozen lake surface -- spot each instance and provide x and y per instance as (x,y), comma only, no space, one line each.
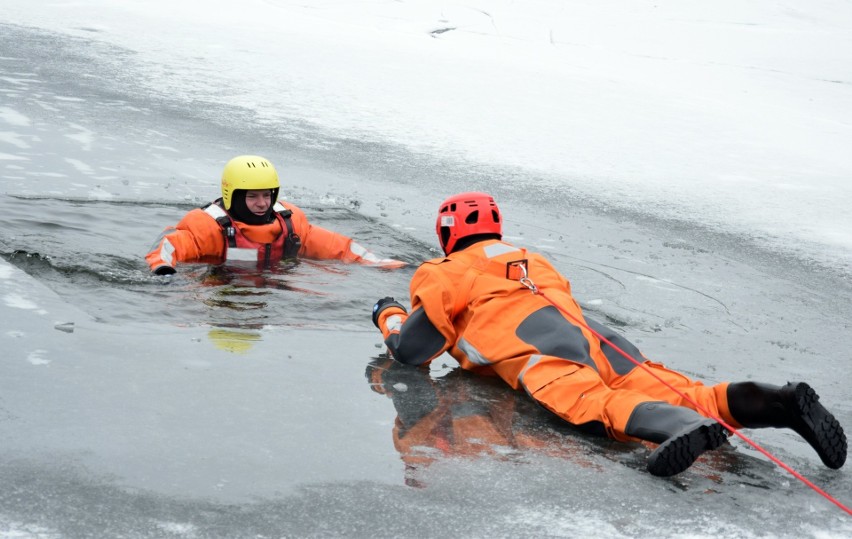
(208,407)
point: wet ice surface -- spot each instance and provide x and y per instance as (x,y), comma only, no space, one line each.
(135,407)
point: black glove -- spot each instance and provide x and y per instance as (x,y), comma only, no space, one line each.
(164,270)
(383,304)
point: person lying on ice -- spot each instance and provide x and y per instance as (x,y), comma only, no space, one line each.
(474,304)
(250,225)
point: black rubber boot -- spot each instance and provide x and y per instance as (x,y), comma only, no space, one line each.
(795,406)
(683,435)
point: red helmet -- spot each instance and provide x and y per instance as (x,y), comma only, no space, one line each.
(467,214)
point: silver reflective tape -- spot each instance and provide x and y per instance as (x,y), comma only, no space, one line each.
(357,250)
(473,355)
(497,249)
(167,252)
(239,254)
(393,323)
(530,362)
(214,211)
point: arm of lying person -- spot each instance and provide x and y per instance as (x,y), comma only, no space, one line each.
(411,338)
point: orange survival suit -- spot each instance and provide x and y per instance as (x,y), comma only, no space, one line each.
(209,235)
(472,304)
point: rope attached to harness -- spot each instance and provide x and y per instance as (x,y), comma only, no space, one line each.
(527,282)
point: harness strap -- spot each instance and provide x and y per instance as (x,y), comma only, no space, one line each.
(221,216)
(292,243)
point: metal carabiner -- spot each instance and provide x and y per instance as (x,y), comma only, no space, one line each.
(526,281)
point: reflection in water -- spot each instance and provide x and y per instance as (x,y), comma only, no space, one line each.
(461,415)
(244,290)
(242,298)
(236,341)
(229,291)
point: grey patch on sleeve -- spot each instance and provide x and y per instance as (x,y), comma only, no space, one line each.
(418,340)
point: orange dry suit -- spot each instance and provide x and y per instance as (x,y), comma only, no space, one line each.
(472,305)
(209,235)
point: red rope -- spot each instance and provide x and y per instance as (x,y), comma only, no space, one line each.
(700,408)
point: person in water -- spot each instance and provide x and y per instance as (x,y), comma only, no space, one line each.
(476,303)
(249,226)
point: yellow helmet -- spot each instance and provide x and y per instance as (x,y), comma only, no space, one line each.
(248,172)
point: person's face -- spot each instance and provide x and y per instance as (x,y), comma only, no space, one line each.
(258,200)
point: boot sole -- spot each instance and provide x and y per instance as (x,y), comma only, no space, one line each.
(679,452)
(819,427)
